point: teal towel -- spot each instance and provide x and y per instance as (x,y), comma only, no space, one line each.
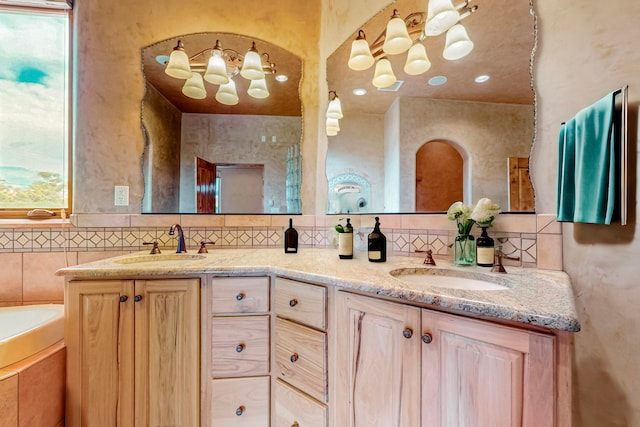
(587,165)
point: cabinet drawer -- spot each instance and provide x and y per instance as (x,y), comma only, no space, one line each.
(240,402)
(295,409)
(301,357)
(301,302)
(239,346)
(239,295)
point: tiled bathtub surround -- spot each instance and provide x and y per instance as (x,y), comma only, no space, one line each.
(30,253)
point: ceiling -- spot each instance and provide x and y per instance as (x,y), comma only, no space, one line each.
(503,35)
(283,97)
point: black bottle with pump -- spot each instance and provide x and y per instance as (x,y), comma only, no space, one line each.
(377,244)
(485,249)
(290,239)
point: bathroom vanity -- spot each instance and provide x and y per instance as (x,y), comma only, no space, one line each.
(246,337)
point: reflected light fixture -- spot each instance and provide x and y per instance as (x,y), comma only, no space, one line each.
(334,114)
(219,66)
(409,34)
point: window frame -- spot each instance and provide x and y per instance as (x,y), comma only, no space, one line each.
(23,213)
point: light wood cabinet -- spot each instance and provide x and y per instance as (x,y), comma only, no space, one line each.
(240,402)
(132,352)
(399,365)
(479,374)
(378,363)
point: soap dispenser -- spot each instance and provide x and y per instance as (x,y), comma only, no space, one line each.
(345,240)
(377,244)
(290,239)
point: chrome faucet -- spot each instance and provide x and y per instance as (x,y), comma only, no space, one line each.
(182,247)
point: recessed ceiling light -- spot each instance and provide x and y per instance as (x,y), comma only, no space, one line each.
(437,80)
(482,78)
(359,91)
(162,59)
(282,78)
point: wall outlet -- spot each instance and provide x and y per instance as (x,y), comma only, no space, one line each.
(121,195)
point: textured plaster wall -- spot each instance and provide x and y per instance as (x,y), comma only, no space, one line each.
(587,49)
(109,85)
(224,138)
(392,157)
(486,133)
(162,153)
(359,148)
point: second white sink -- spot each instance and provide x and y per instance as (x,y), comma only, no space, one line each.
(427,277)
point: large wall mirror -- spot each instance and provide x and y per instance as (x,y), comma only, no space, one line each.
(441,136)
(208,150)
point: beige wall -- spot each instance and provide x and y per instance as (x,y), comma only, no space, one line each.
(586,50)
(109,82)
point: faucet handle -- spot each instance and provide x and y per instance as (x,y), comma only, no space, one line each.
(203,246)
(497,263)
(429,258)
(155,249)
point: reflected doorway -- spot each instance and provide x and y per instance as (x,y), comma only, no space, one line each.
(439,176)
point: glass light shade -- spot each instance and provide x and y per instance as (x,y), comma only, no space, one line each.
(396,39)
(227,94)
(457,44)
(331,132)
(361,57)
(441,15)
(178,65)
(334,109)
(333,124)
(216,70)
(258,89)
(383,76)
(417,60)
(194,87)
(252,66)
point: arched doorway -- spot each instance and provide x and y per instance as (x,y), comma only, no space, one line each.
(439,176)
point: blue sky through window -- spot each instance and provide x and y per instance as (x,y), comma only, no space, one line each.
(33,97)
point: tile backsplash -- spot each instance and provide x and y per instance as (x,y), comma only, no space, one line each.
(31,252)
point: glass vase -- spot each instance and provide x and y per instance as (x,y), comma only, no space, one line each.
(464,250)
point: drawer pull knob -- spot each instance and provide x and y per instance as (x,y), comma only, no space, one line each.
(407,333)
(137,298)
(294,357)
(295,424)
(240,410)
(240,347)
(293,302)
(240,296)
(427,338)
(123,298)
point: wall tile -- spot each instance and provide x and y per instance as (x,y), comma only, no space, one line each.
(549,251)
(11,277)
(247,220)
(154,220)
(547,224)
(102,220)
(202,221)
(39,280)
(6,240)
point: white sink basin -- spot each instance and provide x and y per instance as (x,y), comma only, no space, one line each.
(159,258)
(427,277)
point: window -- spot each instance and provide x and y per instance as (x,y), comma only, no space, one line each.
(34,111)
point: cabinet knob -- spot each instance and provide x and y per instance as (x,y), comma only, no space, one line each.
(240,410)
(240,347)
(407,333)
(123,298)
(295,424)
(427,338)
(137,298)
(293,302)
(240,296)
(294,357)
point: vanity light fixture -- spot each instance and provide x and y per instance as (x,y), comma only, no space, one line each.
(334,114)
(409,34)
(219,66)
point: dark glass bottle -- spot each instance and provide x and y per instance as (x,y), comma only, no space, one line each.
(345,241)
(377,244)
(485,249)
(290,239)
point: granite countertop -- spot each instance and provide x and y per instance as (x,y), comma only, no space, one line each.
(535,297)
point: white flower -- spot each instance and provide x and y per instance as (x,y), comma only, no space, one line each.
(459,212)
(485,212)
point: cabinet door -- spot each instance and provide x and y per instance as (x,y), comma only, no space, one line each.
(166,352)
(99,339)
(479,374)
(378,363)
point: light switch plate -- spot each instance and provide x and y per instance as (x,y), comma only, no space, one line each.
(121,195)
